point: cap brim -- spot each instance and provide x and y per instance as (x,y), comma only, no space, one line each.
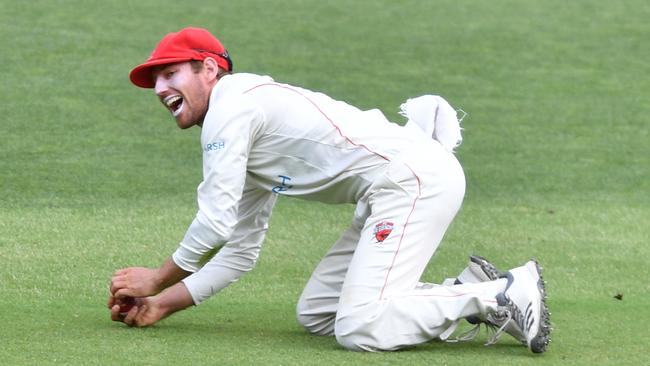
(141,74)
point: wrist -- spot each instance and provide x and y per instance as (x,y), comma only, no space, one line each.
(173,299)
(159,281)
(167,275)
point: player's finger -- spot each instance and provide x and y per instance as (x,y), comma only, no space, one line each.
(118,284)
(110,302)
(130,316)
(139,320)
(124,292)
(114,285)
(121,272)
(115,314)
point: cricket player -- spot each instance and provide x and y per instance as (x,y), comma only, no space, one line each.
(262,139)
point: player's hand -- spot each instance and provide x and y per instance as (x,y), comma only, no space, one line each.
(149,310)
(135,282)
(146,312)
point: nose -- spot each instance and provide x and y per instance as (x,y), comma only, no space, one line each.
(160,86)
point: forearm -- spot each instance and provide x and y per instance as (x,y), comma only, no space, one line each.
(202,237)
(169,274)
(173,299)
(229,264)
(210,280)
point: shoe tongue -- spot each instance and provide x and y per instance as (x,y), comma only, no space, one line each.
(502,299)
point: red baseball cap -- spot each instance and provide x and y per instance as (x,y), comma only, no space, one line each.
(186,45)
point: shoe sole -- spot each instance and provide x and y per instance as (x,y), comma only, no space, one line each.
(540,342)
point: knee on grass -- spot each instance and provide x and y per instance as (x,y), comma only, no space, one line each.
(314,321)
(355,334)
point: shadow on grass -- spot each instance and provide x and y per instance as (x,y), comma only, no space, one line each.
(254,334)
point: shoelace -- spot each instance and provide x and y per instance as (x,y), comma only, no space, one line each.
(471,333)
(492,327)
(504,316)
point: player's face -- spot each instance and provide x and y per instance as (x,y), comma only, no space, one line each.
(184,92)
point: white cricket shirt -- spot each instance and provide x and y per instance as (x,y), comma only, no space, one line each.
(261,139)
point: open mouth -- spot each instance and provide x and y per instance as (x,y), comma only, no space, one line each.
(174,103)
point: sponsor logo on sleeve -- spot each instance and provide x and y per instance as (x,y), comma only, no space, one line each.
(214,146)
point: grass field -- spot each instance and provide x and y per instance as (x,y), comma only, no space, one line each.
(95,176)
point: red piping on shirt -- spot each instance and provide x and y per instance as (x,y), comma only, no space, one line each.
(399,244)
(321,112)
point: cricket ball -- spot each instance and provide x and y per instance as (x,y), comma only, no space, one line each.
(126,303)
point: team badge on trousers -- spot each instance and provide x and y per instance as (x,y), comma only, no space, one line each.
(382,230)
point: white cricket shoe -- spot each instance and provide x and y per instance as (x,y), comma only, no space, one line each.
(522,308)
(480,269)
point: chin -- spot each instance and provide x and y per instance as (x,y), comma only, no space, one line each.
(183,125)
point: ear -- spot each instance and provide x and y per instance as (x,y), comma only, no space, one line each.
(211,68)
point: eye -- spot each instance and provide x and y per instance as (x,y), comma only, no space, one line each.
(169,74)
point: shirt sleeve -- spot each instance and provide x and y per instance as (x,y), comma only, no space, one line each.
(241,252)
(228,132)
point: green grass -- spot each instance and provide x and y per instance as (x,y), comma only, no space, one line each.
(95,176)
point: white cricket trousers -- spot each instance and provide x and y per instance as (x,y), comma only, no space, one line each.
(365,291)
